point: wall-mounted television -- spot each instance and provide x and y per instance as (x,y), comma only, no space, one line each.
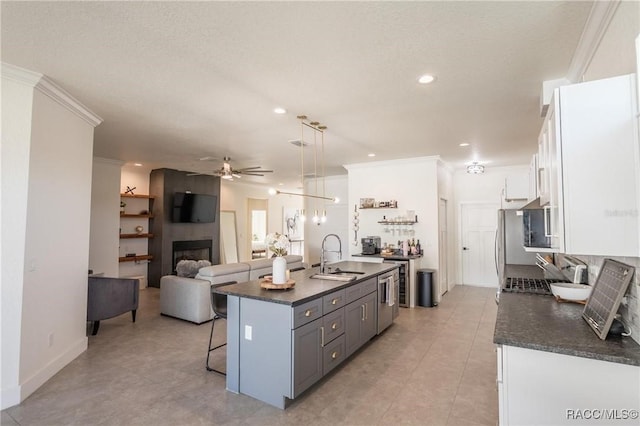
(194,208)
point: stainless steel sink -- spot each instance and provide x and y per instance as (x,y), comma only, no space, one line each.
(339,271)
(334,277)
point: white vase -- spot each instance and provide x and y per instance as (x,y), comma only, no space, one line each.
(279,270)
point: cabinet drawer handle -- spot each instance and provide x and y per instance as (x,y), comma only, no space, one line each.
(334,301)
(307,313)
(322,337)
(334,355)
(334,326)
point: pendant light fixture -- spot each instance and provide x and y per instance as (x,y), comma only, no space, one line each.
(323,218)
(317,128)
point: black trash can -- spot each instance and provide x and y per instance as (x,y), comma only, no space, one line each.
(424,284)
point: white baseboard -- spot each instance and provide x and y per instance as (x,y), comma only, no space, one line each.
(9,397)
(32,384)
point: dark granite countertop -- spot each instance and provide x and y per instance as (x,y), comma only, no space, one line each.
(306,288)
(541,323)
(390,256)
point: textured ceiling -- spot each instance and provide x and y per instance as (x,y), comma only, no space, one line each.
(177,81)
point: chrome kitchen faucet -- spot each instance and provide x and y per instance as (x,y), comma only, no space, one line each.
(322,256)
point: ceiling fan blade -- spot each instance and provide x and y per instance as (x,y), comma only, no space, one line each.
(250,168)
(234,174)
(253,171)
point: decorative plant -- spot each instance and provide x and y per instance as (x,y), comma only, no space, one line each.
(277,243)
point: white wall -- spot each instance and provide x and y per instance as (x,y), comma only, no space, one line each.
(233,197)
(380,180)
(615,54)
(17,103)
(55,186)
(481,188)
(105,217)
(339,217)
(57,242)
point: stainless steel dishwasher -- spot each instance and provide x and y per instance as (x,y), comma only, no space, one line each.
(387,299)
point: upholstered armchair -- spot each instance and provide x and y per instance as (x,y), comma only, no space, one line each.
(110,297)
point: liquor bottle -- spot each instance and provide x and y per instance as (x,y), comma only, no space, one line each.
(418,247)
(413,246)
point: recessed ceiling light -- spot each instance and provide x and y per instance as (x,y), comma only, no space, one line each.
(279,110)
(280,184)
(426,79)
(464,144)
(371,155)
(137,164)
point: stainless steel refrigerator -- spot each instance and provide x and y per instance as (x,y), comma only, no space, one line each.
(509,248)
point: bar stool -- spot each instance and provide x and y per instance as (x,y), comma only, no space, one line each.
(219,306)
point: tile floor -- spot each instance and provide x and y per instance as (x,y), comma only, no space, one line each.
(434,366)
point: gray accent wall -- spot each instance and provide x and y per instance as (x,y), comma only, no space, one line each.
(163,183)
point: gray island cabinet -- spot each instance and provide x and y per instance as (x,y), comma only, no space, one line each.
(279,343)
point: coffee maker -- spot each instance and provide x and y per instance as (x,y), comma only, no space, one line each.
(371,245)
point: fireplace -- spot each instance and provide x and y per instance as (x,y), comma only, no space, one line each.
(191,250)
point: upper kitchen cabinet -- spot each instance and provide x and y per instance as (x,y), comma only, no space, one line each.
(542,175)
(516,187)
(589,168)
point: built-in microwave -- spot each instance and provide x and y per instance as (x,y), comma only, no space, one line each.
(535,220)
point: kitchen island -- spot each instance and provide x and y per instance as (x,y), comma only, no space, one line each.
(553,369)
(281,342)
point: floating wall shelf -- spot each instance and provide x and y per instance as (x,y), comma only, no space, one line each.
(135,258)
(148,197)
(124,236)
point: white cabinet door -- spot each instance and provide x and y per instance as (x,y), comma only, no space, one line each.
(545,388)
(554,223)
(600,170)
(543,160)
(533,178)
(516,187)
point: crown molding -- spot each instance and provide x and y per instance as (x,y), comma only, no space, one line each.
(46,86)
(596,26)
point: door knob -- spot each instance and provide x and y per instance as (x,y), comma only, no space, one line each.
(465,248)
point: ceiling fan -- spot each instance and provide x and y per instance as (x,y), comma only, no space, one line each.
(228,172)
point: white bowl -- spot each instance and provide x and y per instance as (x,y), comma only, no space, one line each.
(570,291)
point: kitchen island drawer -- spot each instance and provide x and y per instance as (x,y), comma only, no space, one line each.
(333,301)
(333,354)
(307,312)
(356,291)
(333,326)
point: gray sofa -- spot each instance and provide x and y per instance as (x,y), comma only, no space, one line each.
(110,297)
(190,298)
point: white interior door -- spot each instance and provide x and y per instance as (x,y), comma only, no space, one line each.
(443,248)
(478,227)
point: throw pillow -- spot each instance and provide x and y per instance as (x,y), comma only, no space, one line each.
(190,268)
